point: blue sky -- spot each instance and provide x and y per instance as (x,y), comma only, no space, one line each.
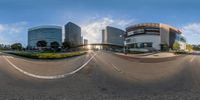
(16,16)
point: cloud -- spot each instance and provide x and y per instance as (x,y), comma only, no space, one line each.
(192,33)
(91,30)
(1,28)
(14,32)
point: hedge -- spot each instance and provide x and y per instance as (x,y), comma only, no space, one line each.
(47,55)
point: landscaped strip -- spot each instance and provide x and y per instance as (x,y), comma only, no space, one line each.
(47,55)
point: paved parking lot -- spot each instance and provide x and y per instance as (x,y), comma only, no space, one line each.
(105,77)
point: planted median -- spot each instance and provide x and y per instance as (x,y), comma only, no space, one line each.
(35,55)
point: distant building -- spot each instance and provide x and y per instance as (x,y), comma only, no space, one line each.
(82,40)
(85,41)
(103,36)
(153,36)
(73,34)
(113,36)
(48,33)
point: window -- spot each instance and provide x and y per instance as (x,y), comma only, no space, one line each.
(134,45)
(180,38)
(144,45)
(177,37)
(128,40)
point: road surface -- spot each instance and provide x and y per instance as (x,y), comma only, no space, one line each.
(99,76)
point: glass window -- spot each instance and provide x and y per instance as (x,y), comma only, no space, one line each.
(134,45)
(180,38)
(177,37)
(146,44)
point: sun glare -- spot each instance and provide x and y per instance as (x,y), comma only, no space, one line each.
(89,46)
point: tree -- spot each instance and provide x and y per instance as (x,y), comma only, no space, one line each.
(41,43)
(68,45)
(176,46)
(55,45)
(189,47)
(16,46)
(196,47)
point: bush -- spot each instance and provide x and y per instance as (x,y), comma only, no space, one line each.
(176,46)
(189,47)
(180,52)
(47,55)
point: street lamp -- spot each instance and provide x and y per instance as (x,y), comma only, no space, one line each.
(124,46)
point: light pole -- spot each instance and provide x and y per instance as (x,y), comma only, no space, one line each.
(124,46)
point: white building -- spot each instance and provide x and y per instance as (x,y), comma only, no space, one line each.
(152,36)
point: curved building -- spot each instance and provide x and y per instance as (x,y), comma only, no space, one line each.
(48,33)
(152,36)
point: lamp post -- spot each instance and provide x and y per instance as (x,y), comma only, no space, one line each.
(124,46)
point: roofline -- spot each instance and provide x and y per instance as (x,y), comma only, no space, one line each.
(140,24)
(45,26)
(150,23)
(114,28)
(72,24)
(153,23)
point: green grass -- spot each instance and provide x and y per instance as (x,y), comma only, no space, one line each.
(47,55)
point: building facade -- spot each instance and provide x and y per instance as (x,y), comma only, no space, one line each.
(85,41)
(113,36)
(103,36)
(47,33)
(152,36)
(73,34)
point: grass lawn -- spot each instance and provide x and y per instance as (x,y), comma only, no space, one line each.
(35,55)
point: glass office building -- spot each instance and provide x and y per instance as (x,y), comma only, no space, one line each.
(48,33)
(73,34)
(113,36)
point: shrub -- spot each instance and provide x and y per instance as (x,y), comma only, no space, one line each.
(47,55)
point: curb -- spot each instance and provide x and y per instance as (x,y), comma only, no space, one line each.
(149,60)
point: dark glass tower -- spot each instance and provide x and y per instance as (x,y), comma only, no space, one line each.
(73,34)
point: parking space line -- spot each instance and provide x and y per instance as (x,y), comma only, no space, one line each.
(115,67)
(192,58)
(47,77)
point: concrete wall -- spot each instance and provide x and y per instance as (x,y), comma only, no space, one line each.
(164,30)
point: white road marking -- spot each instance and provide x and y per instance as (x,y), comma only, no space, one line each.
(192,59)
(9,57)
(48,77)
(117,69)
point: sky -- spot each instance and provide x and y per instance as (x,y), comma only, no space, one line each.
(16,16)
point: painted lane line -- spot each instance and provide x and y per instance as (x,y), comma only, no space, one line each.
(10,57)
(48,77)
(117,69)
(192,59)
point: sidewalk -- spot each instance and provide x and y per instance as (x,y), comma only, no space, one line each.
(149,55)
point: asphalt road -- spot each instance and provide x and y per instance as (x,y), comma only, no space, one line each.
(100,76)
